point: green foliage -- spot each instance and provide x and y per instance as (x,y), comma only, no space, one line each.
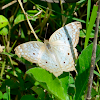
(51,82)
(3,24)
(1,95)
(20,17)
(22,80)
(83,66)
(91,23)
(4,31)
(3,21)
(28,97)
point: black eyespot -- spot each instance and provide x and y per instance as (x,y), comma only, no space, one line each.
(46,61)
(68,53)
(68,38)
(64,62)
(33,53)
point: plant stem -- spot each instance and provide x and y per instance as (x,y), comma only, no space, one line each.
(93,55)
(28,20)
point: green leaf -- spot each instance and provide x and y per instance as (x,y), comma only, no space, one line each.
(83,68)
(95,72)
(32,12)
(65,81)
(10,83)
(28,97)
(71,91)
(93,92)
(5,96)
(21,18)
(8,92)
(83,34)
(54,85)
(24,1)
(91,23)
(22,33)
(97,57)
(88,12)
(8,54)
(3,21)
(40,92)
(4,31)
(1,95)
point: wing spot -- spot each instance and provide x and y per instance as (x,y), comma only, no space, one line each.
(56,65)
(33,53)
(68,53)
(68,38)
(46,61)
(64,62)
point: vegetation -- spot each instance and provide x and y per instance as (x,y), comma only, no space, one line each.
(22,80)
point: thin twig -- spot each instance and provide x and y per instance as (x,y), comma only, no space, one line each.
(63,1)
(93,55)
(35,14)
(46,17)
(64,19)
(28,20)
(9,4)
(38,13)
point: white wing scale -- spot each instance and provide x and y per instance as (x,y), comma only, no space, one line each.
(29,50)
(65,56)
(49,63)
(69,34)
(36,52)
